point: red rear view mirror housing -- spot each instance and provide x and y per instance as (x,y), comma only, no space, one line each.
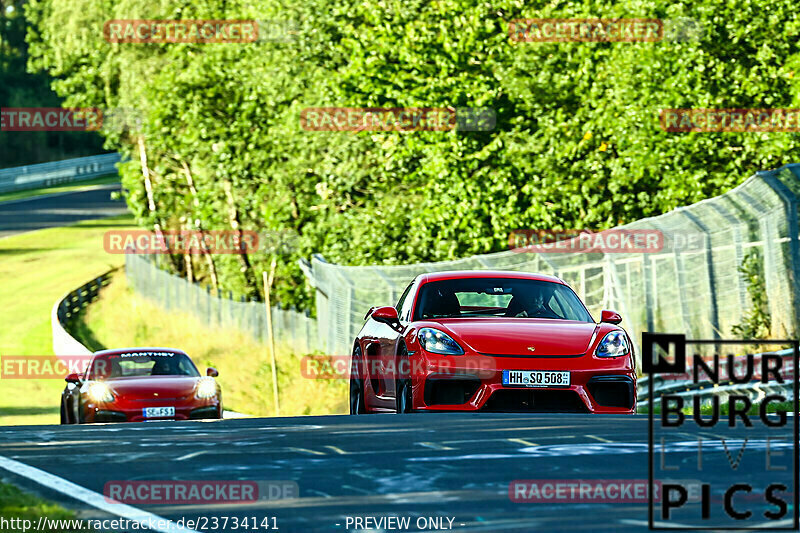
(387,315)
(211,371)
(610,317)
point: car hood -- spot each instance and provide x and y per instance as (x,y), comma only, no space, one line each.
(514,336)
(147,387)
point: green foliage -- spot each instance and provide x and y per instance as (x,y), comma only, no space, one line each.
(577,145)
(18,505)
(757,323)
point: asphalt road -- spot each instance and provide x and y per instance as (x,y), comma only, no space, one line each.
(452,465)
(59,209)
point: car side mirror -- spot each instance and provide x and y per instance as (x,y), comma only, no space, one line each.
(610,317)
(211,371)
(387,315)
(73,378)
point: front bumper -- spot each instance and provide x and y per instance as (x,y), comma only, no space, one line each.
(125,412)
(474,383)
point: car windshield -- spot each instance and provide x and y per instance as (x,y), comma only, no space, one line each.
(499,297)
(136,364)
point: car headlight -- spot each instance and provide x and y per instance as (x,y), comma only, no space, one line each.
(206,388)
(435,341)
(100,392)
(614,344)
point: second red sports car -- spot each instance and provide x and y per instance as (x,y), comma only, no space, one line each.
(495,341)
(140,384)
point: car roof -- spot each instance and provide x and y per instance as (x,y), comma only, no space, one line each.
(138,350)
(466,274)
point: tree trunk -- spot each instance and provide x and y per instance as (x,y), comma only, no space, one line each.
(187,260)
(151,202)
(212,268)
(233,216)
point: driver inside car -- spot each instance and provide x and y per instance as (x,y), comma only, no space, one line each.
(529,304)
(163,367)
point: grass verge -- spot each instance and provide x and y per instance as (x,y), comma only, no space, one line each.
(15,504)
(37,268)
(18,195)
(121,318)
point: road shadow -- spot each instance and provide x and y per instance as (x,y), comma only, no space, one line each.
(20,251)
(83,333)
(121,224)
(28,411)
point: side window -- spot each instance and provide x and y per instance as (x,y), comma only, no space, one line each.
(404,304)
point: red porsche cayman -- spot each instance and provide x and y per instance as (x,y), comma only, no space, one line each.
(140,384)
(493,341)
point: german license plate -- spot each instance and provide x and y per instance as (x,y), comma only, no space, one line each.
(158,412)
(535,378)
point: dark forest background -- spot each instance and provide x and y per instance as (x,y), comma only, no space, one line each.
(19,88)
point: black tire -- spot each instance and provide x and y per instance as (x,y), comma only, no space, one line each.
(357,406)
(404,399)
(80,418)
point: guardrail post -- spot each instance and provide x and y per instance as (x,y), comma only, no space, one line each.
(208,304)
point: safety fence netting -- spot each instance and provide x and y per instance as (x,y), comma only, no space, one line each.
(692,283)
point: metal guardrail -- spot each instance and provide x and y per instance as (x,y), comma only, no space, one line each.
(67,308)
(73,303)
(705,389)
(293,329)
(57,172)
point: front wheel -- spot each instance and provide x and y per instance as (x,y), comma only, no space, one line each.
(356,385)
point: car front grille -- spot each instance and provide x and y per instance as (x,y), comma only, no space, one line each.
(535,401)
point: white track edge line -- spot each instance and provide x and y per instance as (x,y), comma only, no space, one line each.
(92,498)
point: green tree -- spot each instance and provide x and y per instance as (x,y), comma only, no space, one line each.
(577,144)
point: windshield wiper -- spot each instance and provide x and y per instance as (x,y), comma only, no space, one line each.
(484,312)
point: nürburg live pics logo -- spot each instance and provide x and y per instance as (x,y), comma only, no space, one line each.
(726,418)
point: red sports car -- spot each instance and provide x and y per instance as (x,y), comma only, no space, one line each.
(491,341)
(140,384)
